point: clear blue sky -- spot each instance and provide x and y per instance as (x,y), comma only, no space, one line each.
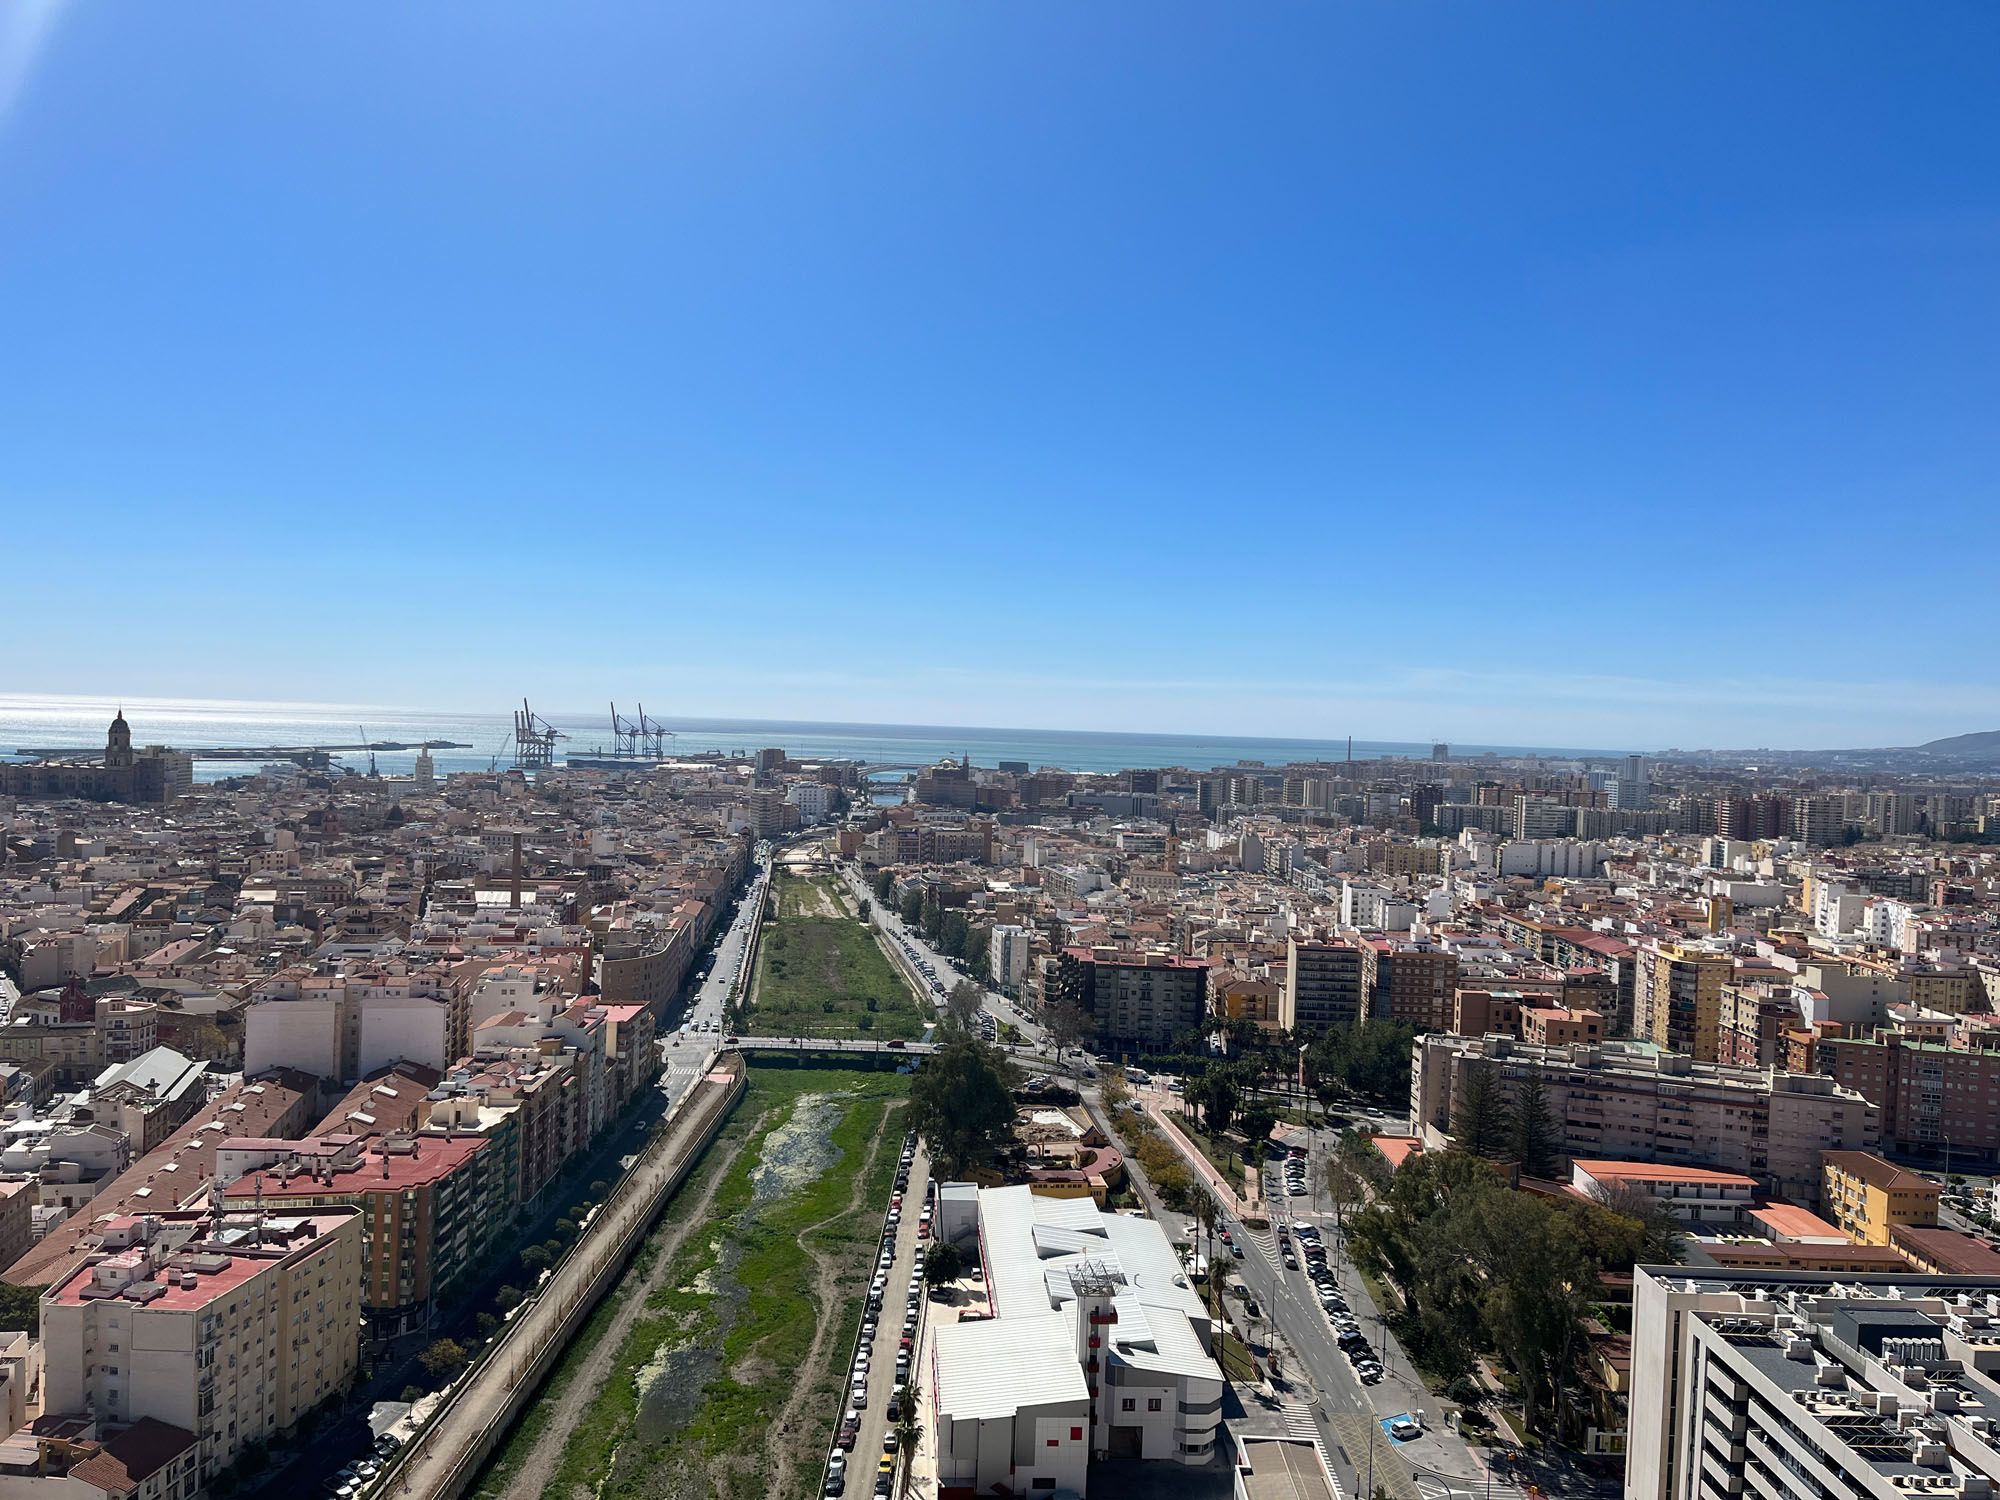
(1523,372)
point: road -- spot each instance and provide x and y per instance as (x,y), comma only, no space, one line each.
(1347,1413)
(688,1051)
(875,1424)
(903,940)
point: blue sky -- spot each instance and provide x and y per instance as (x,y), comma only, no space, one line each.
(1554,373)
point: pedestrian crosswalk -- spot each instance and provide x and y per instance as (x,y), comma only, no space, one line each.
(1299,1422)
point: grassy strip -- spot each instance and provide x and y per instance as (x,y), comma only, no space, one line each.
(1237,1363)
(827,977)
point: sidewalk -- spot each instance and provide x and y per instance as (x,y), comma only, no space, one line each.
(1227,1195)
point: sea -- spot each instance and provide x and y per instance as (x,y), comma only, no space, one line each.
(30,721)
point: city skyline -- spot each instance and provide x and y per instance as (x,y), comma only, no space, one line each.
(1502,377)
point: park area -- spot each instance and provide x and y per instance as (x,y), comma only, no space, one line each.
(717,1366)
(821,973)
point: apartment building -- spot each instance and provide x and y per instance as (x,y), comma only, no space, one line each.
(1628,1102)
(427,1206)
(228,1326)
(1934,1098)
(1325,986)
(1751,1020)
(1559,1026)
(1410,981)
(1677,998)
(1007,948)
(178,1172)
(1133,999)
(1790,1385)
(1870,1198)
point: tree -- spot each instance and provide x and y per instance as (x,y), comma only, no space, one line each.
(942,1264)
(1481,1115)
(442,1359)
(885,887)
(1066,1024)
(1536,1142)
(1344,1187)
(1257,1123)
(959,1105)
(535,1259)
(205,1042)
(486,1323)
(1113,1089)
(964,1002)
(913,909)
(21,1308)
(864,909)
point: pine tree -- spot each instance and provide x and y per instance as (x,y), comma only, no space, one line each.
(1536,1142)
(1482,1117)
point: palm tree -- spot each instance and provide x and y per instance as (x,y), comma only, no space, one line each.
(907,1432)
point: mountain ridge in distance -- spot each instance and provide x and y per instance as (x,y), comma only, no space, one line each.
(1983,742)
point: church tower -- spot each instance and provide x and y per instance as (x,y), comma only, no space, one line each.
(118,745)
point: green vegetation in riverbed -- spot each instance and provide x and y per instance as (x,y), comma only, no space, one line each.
(726,1339)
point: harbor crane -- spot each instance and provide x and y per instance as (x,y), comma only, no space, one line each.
(534,739)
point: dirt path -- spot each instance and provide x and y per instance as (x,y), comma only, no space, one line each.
(826,1287)
(539,1466)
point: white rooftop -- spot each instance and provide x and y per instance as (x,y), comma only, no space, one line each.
(993,1369)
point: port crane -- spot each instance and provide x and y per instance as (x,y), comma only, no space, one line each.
(654,734)
(534,739)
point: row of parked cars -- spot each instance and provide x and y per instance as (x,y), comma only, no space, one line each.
(849,1432)
(1367,1365)
(357,1476)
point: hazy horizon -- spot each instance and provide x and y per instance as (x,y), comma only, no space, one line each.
(16,706)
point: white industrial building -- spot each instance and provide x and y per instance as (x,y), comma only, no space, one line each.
(1097,1347)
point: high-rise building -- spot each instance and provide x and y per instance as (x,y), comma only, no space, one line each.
(1817,820)
(1542,818)
(1630,792)
(1801,1385)
(1007,956)
(1410,981)
(1133,998)
(425,774)
(1325,986)
(1677,998)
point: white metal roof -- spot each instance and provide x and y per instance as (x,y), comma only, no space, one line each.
(993,1369)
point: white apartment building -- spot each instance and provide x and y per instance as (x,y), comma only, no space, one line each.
(1573,859)
(1007,956)
(230,1327)
(1793,1385)
(810,798)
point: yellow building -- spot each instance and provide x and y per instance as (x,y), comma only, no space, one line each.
(1677,997)
(1869,1198)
